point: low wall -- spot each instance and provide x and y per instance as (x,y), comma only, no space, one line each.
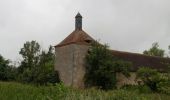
(122,80)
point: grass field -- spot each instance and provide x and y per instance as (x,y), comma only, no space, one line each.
(17,91)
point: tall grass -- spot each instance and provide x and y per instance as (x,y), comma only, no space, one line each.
(17,91)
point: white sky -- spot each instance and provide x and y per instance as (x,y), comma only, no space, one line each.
(126,25)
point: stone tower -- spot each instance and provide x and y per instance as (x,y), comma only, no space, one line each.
(70,55)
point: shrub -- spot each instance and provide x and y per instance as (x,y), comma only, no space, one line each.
(150,77)
(99,69)
(102,66)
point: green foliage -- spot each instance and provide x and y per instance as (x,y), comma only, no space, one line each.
(7,72)
(164,85)
(150,77)
(122,67)
(137,88)
(37,66)
(154,51)
(144,89)
(3,68)
(45,72)
(30,53)
(60,92)
(101,67)
(11,73)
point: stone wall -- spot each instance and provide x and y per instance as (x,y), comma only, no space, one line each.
(70,63)
(64,63)
(79,65)
(122,80)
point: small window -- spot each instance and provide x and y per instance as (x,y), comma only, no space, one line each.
(88,41)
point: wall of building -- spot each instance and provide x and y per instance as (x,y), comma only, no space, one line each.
(70,63)
(79,65)
(122,80)
(64,63)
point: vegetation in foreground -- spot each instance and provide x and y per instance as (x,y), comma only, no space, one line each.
(37,65)
(17,91)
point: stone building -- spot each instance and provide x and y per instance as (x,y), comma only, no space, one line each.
(71,52)
(70,55)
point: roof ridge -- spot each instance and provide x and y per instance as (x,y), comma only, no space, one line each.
(125,52)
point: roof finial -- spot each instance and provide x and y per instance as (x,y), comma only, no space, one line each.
(78,15)
(78,22)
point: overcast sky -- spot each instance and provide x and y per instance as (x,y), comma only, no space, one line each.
(126,25)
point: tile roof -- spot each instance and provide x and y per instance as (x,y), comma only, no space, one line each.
(76,37)
(140,60)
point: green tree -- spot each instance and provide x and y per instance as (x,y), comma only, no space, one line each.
(30,53)
(150,77)
(4,65)
(46,73)
(38,65)
(101,68)
(7,72)
(154,51)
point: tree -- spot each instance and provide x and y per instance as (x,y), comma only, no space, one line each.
(7,72)
(45,70)
(101,68)
(4,65)
(38,65)
(154,51)
(150,77)
(30,53)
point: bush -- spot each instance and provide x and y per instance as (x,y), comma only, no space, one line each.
(102,67)
(164,84)
(144,89)
(122,67)
(151,77)
(99,70)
